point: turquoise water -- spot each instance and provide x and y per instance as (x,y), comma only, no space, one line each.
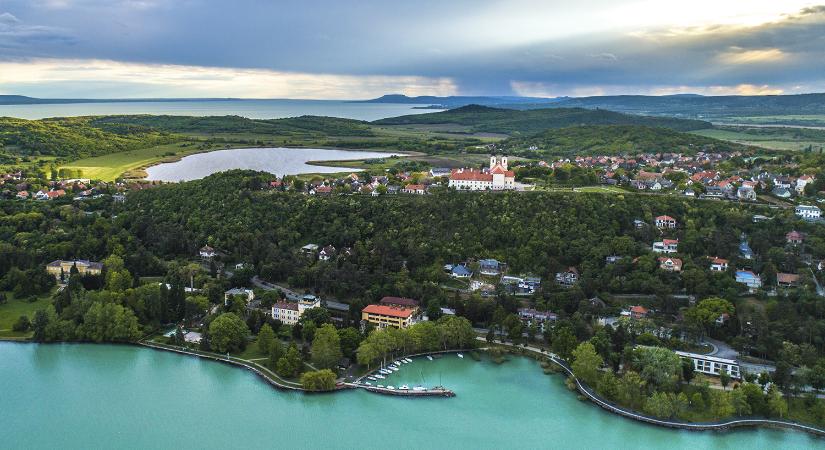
(253,109)
(94,396)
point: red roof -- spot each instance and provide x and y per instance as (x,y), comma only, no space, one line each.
(286,305)
(323,189)
(670,241)
(718,260)
(390,311)
(787,278)
(666,219)
(470,175)
(414,187)
(399,301)
(639,310)
(794,236)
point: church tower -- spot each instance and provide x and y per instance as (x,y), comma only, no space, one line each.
(492,161)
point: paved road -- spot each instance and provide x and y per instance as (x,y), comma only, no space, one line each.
(290,294)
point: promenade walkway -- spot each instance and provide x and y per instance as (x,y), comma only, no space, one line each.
(699,426)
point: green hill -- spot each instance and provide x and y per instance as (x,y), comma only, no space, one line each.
(510,121)
(615,139)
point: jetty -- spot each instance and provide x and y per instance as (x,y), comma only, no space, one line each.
(437,391)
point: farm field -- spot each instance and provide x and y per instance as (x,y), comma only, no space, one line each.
(794,139)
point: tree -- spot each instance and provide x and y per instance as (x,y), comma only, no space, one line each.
(687,370)
(720,405)
(563,342)
(318,316)
(22,324)
(658,365)
(350,338)
(705,313)
(724,378)
(660,405)
(228,333)
(739,400)
(321,380)
(117,277)
(630,388)
(777,404)
(586,363)
(289,365)
(276,351)
(326,347)
(266,337)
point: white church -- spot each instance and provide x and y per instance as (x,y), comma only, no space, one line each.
(496,177)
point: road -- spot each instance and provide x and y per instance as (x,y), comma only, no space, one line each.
(265,285)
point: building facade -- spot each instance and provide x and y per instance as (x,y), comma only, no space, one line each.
(84,267)
(383,316)
(497,177)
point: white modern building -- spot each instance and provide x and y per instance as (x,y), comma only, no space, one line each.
(711,365)
(666,246)
(808,212)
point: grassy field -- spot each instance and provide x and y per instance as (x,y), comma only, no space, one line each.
(13,309)
(774,138)
(812,120)
(110,167)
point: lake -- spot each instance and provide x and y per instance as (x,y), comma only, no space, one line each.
(253,109)
(99,396)
(280,161)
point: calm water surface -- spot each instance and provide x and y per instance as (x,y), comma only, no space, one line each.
(279,161)
(92,396)
(253,109)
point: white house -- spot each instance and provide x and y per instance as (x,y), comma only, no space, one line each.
(238,291)
(712,365)
(803,181)
(665,222)
(718,264)
(666,246)
(290,312)
(207,252)
(808,212)
(749,279)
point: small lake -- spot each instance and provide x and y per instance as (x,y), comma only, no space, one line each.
(80,396)
(279,161)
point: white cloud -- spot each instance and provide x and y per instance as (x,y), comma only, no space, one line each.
(81,77)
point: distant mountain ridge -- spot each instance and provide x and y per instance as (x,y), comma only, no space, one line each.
(24,100)
(480,118)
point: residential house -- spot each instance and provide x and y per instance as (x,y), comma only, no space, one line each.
(612,259)
(207,252)
(247,293)
(461,271)
(714,192)
(539,318)
(401,302)
(670,264)
(794,237)
(803,181)
(689,193)
(787,280)
(419,189)
(718,264)
(666,246)
(321,190)
(63,269)
(309,250)
(436,172)
(781,192)
(711,365)
(568,278)
(665,222)
(49,195)
(808,212)
(289,313)
(326,253)
(639,224)
(638,312)
(383,316)
(23,195)
(745,250)
(746,193)
(489,267)
(749,279)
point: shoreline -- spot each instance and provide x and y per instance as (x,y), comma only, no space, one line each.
(583,389)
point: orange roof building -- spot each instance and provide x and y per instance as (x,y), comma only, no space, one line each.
(384,316)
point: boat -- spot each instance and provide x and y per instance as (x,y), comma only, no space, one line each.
(368,383)
(394,369)
(380,377)
(397,363)
(419,388)
(385,371)
(392,388)
(407,360)
(371,378)
(404,387)
(380,385)
(429,357)
(460,355)
(393,366)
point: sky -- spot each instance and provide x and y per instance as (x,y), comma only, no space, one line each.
(346,49)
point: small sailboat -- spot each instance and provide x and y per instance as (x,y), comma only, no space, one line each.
(380,377)
(407,360)
(397,363)
(429,357)
(380,385)
(392,388)
(419,388)
(371,378)
(404,387)
(460,355)
(368,383)
(394,369)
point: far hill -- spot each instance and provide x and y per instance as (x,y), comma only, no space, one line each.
(510,121)
(615,139)
(459,100)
